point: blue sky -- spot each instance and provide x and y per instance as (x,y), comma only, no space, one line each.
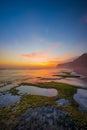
(28,26)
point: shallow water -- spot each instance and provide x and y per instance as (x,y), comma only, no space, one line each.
(12,77)
(8,99)
(74,81)
(37,91)
(81,98)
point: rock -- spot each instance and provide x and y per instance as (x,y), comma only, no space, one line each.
(62,102)
(46,118)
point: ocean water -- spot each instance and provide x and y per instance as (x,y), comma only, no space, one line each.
(9,77)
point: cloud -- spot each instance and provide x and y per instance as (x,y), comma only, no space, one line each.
(45,56)
(59,58)
(52,47)
(40,55)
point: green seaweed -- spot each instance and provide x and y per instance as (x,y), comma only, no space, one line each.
(9,116)
(13,91)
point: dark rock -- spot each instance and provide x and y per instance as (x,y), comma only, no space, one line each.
(62,102)
(46,118)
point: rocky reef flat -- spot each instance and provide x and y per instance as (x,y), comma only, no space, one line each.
(46,118)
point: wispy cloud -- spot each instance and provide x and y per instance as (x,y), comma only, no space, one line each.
(46,56)
(40,55)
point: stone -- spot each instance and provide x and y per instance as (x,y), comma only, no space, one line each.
(43,118)
(62,102)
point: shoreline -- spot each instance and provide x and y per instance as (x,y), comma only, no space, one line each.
(82,72)
(28,101)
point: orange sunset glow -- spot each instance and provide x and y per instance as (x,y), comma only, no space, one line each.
(43,58)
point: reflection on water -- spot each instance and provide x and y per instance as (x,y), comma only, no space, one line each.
(37,91)
(11,78)
(81,98)
(15,76)
(30,76)
(8,99)
(74,81)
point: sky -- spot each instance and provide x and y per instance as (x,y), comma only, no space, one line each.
(42,32)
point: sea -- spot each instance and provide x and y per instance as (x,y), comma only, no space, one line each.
(17,76)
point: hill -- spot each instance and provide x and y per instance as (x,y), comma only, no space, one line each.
(79,64)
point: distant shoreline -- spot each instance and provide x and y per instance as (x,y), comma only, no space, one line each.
(81,71)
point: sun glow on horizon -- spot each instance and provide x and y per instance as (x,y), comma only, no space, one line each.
(44,58)
(29,64)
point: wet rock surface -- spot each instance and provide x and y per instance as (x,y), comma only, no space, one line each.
(46,118)
(63,102)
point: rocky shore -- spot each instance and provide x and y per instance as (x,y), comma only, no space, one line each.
(46,118)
